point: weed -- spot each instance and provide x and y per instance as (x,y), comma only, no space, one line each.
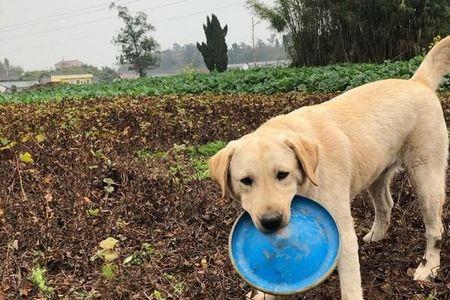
(93,212)
(38,279)
(109,188)
(158,295)
(108,271)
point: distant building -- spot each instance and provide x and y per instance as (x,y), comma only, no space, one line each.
(260,64)
(71,79)
(11,86)
(64,64)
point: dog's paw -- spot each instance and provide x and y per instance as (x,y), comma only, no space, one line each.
(259,296)
(425,272)
(374,236)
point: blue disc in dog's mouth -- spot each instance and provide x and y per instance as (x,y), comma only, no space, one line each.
(292,259)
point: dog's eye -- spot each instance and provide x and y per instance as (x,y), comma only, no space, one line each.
(282,175)
(247,181)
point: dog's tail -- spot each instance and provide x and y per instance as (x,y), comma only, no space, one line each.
(435,65)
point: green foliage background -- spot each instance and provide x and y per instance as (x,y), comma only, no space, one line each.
(332,78)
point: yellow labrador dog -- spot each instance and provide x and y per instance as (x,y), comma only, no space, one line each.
(332,151)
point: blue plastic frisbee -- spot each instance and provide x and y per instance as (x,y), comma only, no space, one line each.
(292,259)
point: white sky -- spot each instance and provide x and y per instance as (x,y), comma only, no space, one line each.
(37,34)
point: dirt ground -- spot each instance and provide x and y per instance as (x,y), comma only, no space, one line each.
(171,225)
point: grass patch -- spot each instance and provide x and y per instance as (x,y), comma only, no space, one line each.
(39,280)
(199,156)
(108,271)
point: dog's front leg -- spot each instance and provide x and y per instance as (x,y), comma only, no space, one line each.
(348,265)
(258,295)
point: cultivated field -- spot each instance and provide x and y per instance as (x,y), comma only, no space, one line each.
(105,191)
(74,173)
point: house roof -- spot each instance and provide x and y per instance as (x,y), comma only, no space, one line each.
(71,76)
(18,84)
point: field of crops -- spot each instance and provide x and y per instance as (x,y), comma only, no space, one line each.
(111,200)
(326,79)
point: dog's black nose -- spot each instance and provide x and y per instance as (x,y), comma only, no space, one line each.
(271,221)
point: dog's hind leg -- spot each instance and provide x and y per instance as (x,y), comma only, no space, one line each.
(426,163)
(430,188)
(382,201)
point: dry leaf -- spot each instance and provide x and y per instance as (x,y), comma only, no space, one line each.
(128,259)
(204,263)
(48,197)
(14,245)
(109,243)
(40,137)
(87,200)
(48,179)
(110,255)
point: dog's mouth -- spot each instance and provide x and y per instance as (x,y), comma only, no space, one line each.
(260,227)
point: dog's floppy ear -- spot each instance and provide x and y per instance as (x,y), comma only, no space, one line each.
(219,165)
(307,152)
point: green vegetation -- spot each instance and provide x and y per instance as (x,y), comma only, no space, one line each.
(158,295)
(180,57)
(324,32)
(93,212)
(199,155)
(8,71)
(38,279)
(324,79)
(108,271)
(135,44)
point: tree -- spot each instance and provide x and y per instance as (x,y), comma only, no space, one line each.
(107,74)
(104,75)
(320,32)
(6,63)
(8,71)
(137,47)
(215,50)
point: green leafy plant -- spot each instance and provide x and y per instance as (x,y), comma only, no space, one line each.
(26,158)
(108,271)
(322,79)
(146,251)
(109,188)
(178,285)
(199,156)
(38,279)
(158,295)
(93,212)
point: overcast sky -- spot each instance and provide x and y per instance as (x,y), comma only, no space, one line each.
(37,34)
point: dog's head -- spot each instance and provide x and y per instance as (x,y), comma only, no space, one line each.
(263,170)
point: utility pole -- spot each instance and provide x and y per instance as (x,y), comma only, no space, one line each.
(253,41)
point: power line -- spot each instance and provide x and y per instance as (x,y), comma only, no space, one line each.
(38,21)
(61,16)
(198,13)
(111,31)
(84,23)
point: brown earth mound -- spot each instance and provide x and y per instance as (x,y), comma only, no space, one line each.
(74,173)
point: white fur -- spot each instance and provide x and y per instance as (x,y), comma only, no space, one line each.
(353,142)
